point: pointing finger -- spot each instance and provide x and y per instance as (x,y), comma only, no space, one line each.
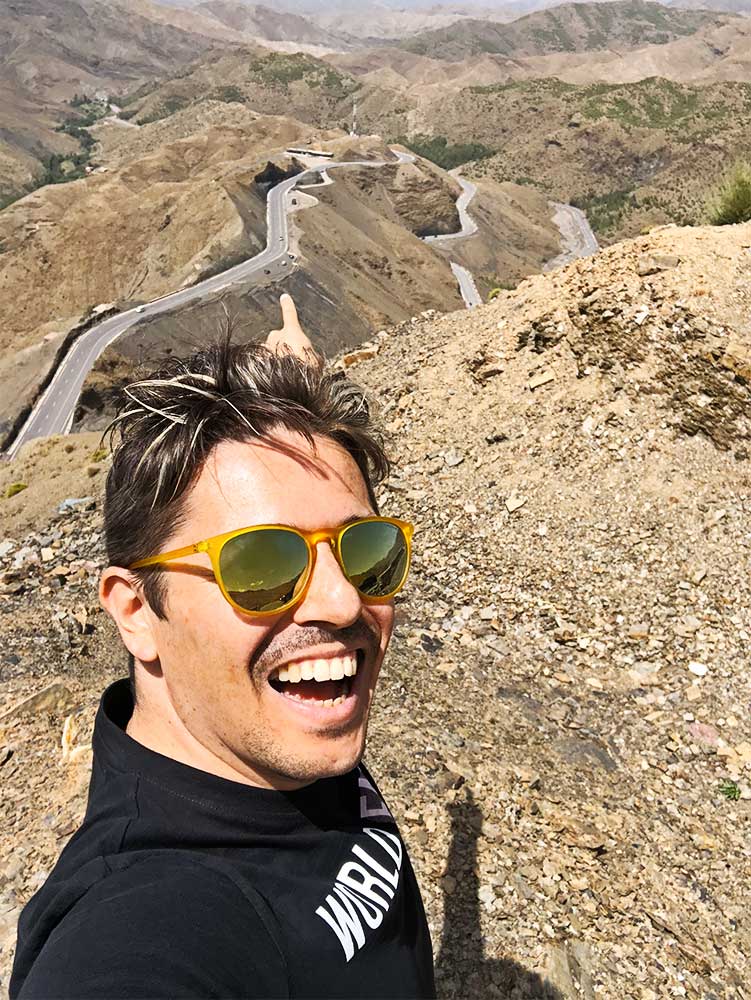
(290,319)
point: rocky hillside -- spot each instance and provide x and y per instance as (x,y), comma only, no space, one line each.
(630,155)
(569,673)
(571,27)
(52,50)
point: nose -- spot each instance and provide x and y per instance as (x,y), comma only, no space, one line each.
(330,597)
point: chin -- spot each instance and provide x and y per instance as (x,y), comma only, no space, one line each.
(340,760)
(339,757)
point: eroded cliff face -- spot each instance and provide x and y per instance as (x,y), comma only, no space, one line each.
(419,195)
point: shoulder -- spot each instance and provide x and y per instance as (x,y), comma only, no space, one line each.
(166,925)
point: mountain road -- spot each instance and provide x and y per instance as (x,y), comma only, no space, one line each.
(54,410)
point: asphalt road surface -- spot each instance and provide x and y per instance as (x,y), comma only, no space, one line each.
(469,226)
(54,411)
(577,238)
(467,285)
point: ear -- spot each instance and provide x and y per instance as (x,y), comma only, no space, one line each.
(122,598)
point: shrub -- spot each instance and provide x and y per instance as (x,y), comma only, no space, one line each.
(14,489)
(730,202)
(438,149)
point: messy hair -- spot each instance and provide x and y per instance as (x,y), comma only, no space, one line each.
(170,423)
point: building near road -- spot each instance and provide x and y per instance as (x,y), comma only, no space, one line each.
(301,151)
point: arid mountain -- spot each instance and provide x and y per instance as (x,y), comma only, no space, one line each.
(51,50)
(56,48)
(632,155)
(721,50)
(577,27)
(716,52)
(166,213)
(731,6)
(297,84)
(272,25)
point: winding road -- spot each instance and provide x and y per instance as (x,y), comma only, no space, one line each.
(54,410)
(467,285)
(577,238)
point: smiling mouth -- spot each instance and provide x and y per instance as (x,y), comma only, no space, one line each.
(322,682)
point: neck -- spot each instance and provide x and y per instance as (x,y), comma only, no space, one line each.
(156,725)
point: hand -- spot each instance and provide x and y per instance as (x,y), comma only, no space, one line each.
(291,337)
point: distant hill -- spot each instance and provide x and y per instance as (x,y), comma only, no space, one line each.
(269,24)
(293,83)
(632,155)
(51,50)
(729,6)
(578,27)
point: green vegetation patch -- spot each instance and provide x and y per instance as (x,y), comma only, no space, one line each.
(533,88)
(730,790)
(169,106)
(14,489)
(229,94)
(605,211)
(280,69)
(438,149)
(730,201)
(650,103)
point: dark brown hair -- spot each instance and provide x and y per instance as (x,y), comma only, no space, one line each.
(170,423)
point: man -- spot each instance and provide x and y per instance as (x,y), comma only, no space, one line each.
(233,845)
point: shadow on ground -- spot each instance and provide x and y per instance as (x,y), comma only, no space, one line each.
(462,970)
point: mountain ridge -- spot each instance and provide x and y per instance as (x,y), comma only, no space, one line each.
(570,27)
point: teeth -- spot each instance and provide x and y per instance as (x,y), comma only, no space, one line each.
(334,669)
(293,673)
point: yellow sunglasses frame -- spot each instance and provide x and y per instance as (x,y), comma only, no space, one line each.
(213,547)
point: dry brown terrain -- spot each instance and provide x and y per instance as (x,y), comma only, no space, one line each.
(129,234)
(360,267)
(568,676)
(272,25)
(516,235)
(295,84)
(630,155)
(717,52)
(51,50)
(570,27)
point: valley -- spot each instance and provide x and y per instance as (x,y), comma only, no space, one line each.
(525,228)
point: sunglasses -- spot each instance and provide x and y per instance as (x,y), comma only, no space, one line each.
(265,569)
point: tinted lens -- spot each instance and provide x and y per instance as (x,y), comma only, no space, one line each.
(261,569)
(374,556)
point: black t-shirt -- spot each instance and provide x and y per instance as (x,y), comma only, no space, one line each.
(183,884)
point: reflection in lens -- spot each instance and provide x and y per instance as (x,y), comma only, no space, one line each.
(261,569)
(374,555)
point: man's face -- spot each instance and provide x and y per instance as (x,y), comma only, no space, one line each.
(221,667)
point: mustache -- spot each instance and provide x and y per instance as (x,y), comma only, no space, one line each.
(287,645)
